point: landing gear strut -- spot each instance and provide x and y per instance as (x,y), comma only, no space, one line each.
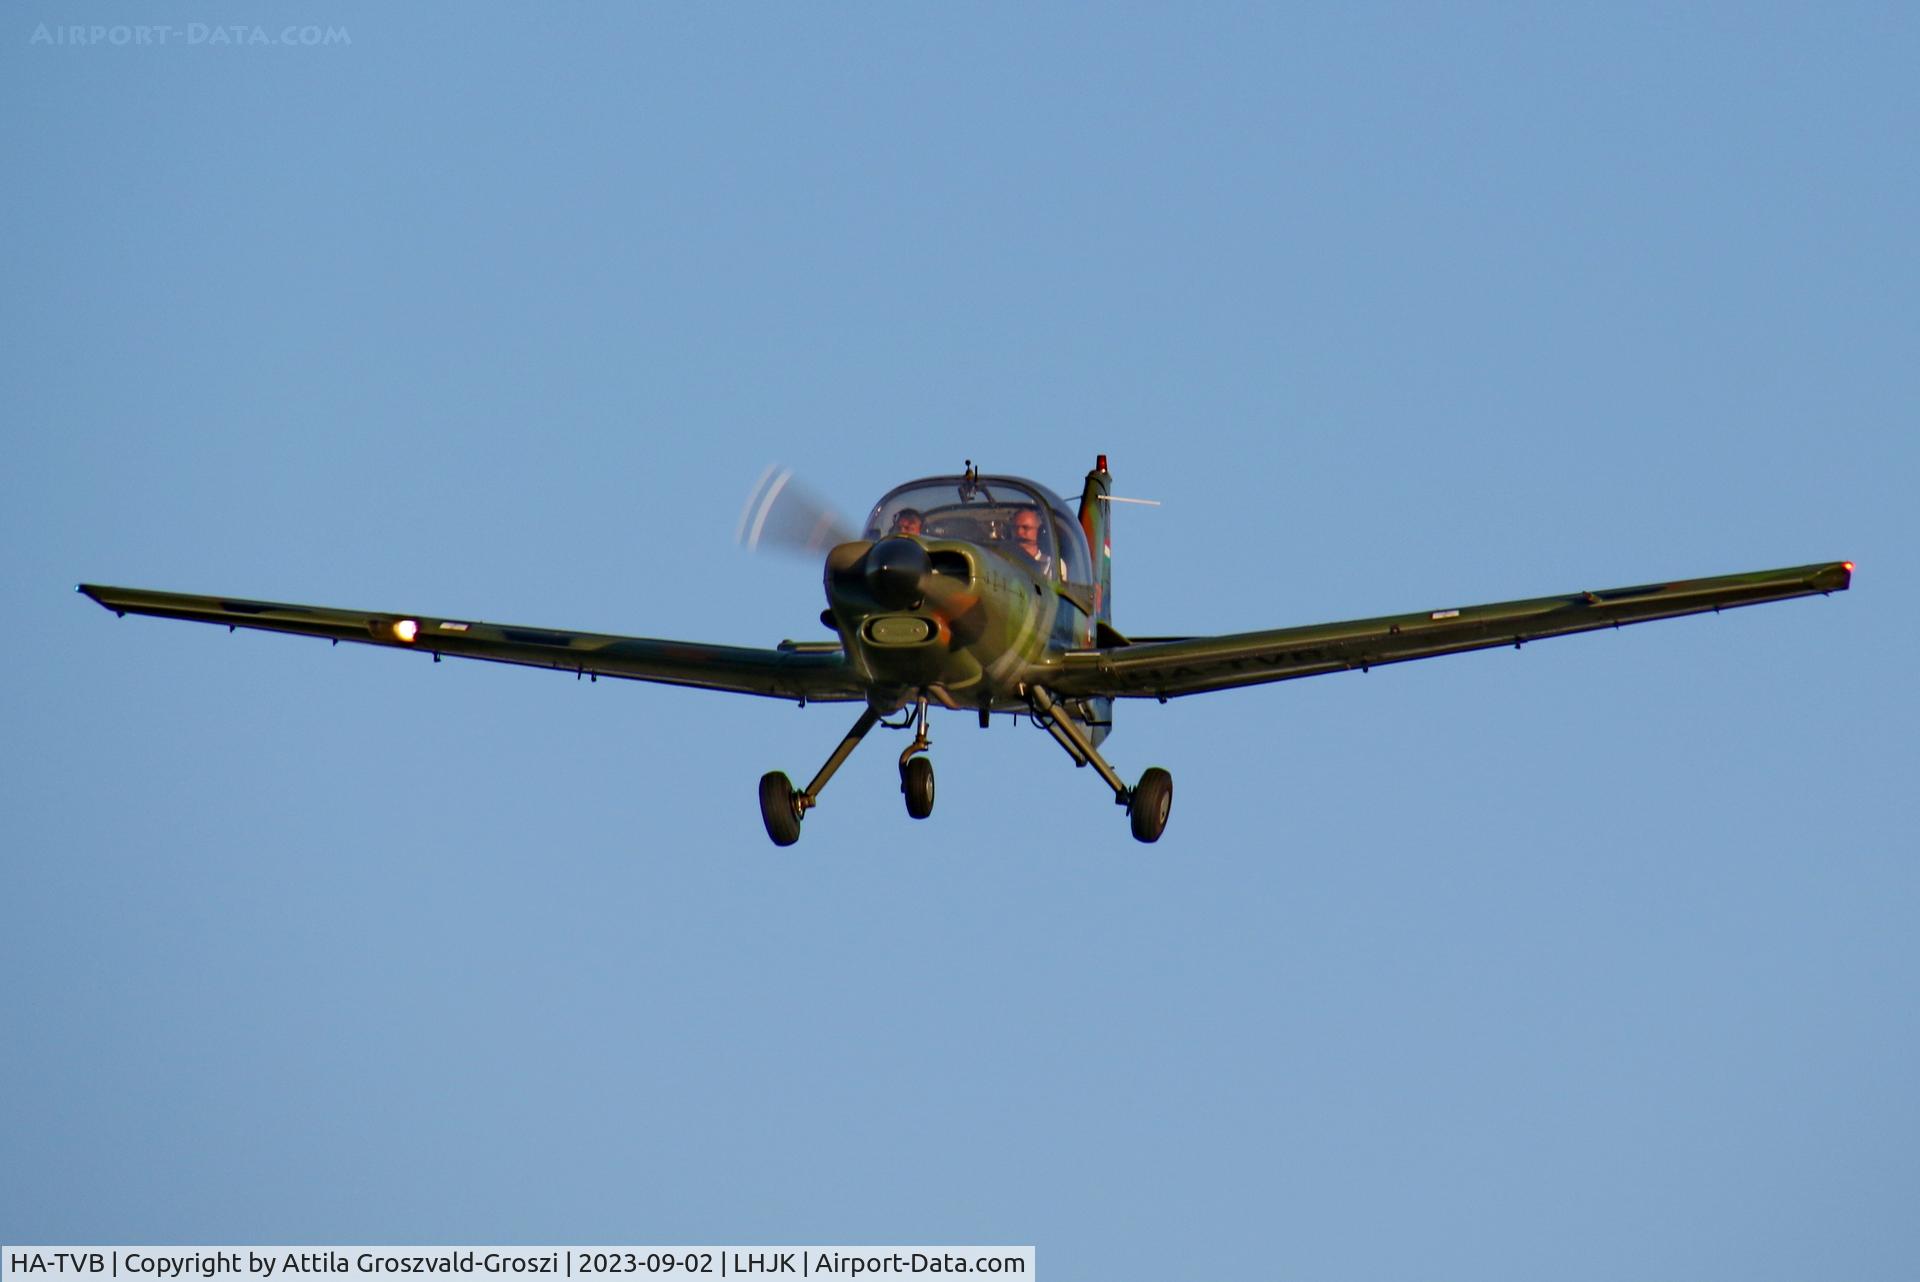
(1148,803)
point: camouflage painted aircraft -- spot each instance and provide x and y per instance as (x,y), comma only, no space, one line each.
(982,594)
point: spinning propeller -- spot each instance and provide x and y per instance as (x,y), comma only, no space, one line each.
(785,516)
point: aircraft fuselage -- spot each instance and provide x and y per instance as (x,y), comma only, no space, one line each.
(965,623)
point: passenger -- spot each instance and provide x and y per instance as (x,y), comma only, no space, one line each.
(907,521)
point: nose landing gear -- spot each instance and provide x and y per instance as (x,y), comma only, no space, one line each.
(916,772)
(916,781)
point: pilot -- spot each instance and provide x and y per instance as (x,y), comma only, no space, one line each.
(1026,537)
(907,521)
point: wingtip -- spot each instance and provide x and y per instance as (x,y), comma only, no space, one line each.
(1835,576)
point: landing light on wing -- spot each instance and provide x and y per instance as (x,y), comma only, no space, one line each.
(406,630)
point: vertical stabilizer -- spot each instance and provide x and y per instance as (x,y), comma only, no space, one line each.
(1095,517)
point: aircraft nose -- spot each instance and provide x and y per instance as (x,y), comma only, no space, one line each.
(895,569)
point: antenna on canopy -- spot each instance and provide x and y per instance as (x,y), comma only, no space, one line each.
(970,482)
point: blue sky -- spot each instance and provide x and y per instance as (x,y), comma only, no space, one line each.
(1589,961)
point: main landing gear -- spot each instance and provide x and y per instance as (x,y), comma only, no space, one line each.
(1148,802)
(782,809)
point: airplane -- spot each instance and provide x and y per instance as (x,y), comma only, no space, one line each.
(984,594)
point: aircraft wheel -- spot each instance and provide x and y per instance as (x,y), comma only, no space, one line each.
(1152,800)
(916,780)
(777,810)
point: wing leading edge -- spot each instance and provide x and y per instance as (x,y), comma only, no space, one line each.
(796,672)
(1198,664)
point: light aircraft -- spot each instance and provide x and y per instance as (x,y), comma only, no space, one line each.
(983,594)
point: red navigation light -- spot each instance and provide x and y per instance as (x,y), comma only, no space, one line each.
(1847,566)
(1101,466)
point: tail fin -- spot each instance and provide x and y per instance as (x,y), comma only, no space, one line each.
(1095,517)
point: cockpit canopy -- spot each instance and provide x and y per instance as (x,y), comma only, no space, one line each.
(981,510)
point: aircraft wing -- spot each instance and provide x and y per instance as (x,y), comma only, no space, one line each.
(793,671)
(1196,664)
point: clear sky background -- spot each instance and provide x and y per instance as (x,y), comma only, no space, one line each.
(1592,961)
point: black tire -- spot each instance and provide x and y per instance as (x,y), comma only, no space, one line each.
(916,780)
(777,809)
(1152,802)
